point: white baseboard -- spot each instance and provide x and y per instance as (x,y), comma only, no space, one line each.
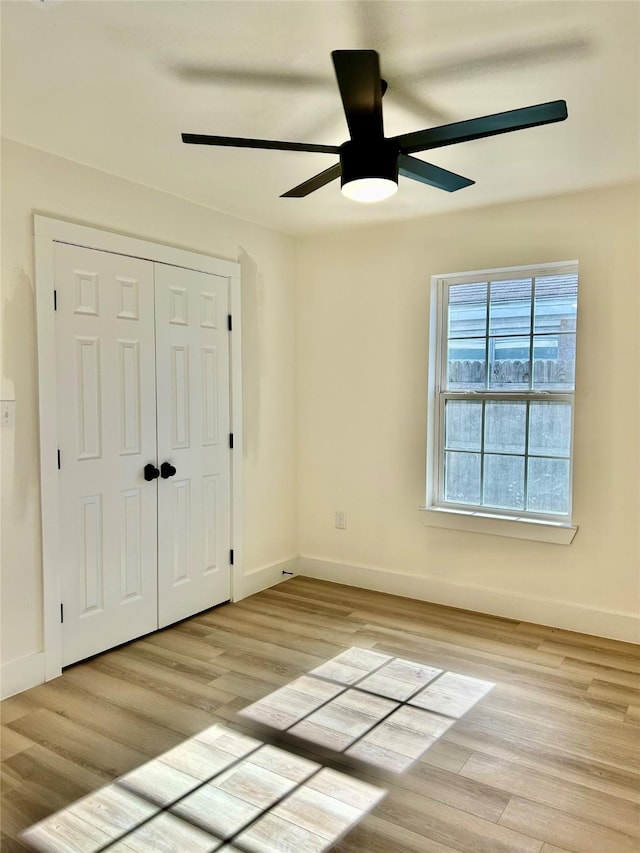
(557,614)
(267,576)
(21,674)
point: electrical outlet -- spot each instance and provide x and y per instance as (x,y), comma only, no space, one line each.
(7,413)
(341,519)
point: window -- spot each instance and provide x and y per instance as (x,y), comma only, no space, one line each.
(502,387)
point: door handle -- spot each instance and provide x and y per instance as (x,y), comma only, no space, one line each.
(167,470)
(151,472)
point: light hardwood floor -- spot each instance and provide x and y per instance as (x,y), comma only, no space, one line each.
(548,761)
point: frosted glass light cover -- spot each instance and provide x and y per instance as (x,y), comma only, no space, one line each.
(369,190)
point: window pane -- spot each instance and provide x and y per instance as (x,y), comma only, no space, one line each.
(504,481)
(505,427)
(548,485)
(463,425)
(550,429)
(510,307)
(509,364)
(467,310)
(554,362)
(556,303)
(462,477)
(466,365)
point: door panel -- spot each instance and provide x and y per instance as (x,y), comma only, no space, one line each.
(192,355)
(105,350)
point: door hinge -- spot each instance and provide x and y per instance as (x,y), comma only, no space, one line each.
(55,300)
(231,556)
(61,613)
(59,462)
(229,322)
(231,441)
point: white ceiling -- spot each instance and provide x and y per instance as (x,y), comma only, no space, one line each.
(113,84)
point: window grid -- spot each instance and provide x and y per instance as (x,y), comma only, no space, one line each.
(525,455)
(532,323)
(528,396)
(526,439)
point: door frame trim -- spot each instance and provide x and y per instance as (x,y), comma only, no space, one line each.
(47,232)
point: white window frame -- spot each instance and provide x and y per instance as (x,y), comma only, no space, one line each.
(437,512)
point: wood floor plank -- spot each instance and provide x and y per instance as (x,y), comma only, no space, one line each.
(270,604)
(177,662)
(11,742)
(79,743)
(228,641)
(557,827)
(281,635)
(485,644)
(459,792)
(547,759)
(244,686)
(165,833)
(572,799)
(457,619)
(299,624)
(633,714)
(447,655)
(16,706)
(39,764)
(66,833)
(551,848)
(175,685)
(77,705)
(256,665)
(618,693)
(10,845)
(179,641)
(543,763)
(376,835)
(294,596)
(590,741)
(165,711)
(626,660)
(539,633)
(551,705)
(447,755)
(448,825)
(47,782)
(607,674)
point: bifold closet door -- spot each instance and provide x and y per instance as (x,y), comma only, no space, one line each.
(106,385)
(192,358)
(143,425)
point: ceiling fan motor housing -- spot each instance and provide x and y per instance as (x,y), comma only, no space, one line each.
(369,159)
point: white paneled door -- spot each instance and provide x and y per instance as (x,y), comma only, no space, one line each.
(192,357)
(143,424)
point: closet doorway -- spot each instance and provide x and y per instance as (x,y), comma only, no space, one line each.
(145,418)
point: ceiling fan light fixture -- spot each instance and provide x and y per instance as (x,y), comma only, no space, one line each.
(369,190)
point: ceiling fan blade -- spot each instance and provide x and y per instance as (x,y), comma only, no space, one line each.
(427,173)
(229,75)
(314,183)
(494,58)
(478,128)
(241,142)
(358,75)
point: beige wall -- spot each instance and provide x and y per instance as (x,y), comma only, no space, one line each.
(362,363)
(36,182)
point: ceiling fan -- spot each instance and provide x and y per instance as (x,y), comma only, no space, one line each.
(370,163)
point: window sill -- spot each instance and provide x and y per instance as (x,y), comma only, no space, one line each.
(558,533)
